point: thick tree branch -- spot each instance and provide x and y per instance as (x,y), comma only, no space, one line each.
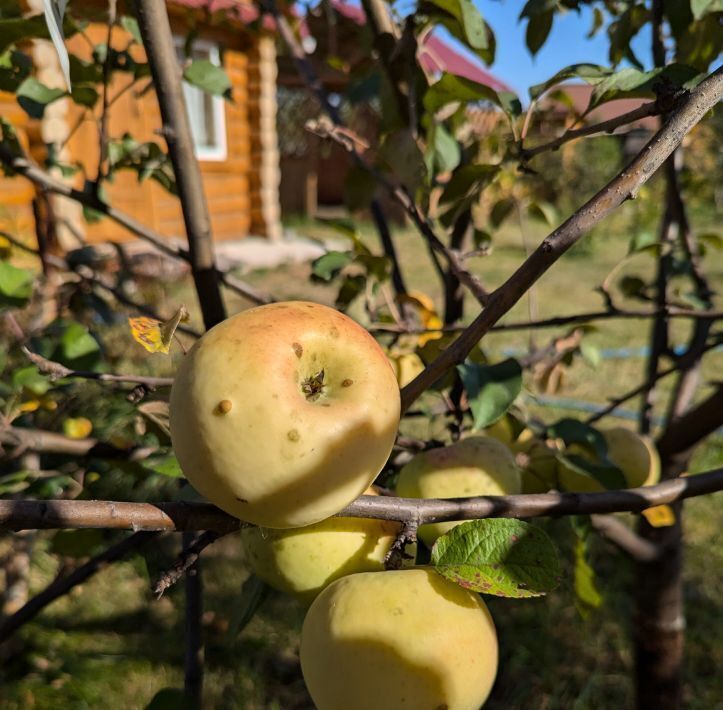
(62,585)
(35,515)
(155,29)
(692,427)
(624,186)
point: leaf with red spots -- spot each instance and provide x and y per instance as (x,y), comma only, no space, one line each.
(507,558)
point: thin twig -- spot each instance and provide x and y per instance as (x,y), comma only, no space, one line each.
(652,108)
(617,401)
(57,371)
(187,558)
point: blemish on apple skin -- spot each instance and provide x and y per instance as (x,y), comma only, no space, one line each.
(334,332)
(293,435)
(298,350)
(223,407)
(241,500)
(347,383)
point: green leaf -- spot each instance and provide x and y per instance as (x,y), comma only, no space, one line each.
(590,73)
(16,285)
(633,287)
(467,181)
(329,265)
(171,699)
(130,25)
(446,151)
(450,89)
(538,30)
(208,77)
(34,96)
(15,67)
(491,389)
(587,596)
(641,240)
(606,474)
(507,558)
(501,211)
(359,188)
(253,593)
(166,466)
(29,378)
(573,431)
(464,21)
(634,83)
(543,212)
(703,7)
(591,354)
(76,343)
(711,239)
(84,96)
(404,159)
(16,29)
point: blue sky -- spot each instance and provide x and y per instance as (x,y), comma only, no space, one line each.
(567,44)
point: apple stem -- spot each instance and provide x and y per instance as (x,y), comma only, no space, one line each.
(313,386)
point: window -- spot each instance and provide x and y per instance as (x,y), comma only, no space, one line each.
(205,112)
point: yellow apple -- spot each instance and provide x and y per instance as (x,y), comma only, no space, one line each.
(476,466)
(539,468)
(284,414)
(404,639)
(302,561)
(635,455)
(406,367)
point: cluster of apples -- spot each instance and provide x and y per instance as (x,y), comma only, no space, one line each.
(283,415)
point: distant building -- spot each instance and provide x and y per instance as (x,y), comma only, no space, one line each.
(235,141)
(313,171)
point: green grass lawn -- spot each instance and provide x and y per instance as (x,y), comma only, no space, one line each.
(111,645)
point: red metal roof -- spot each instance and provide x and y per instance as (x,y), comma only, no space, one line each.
(435,54)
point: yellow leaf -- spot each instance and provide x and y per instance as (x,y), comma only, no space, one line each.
(660,516)
(427,315)
(30,405)
(6,247)
(155,335)
(78,427)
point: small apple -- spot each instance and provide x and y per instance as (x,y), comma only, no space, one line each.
(476,466)
(406,366)
(539,467)
(303,561)
(284,414)
(403,639)
(634,454)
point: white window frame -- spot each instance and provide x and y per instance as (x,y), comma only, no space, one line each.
(219,152)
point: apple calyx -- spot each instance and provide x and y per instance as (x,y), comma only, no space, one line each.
(313,386)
